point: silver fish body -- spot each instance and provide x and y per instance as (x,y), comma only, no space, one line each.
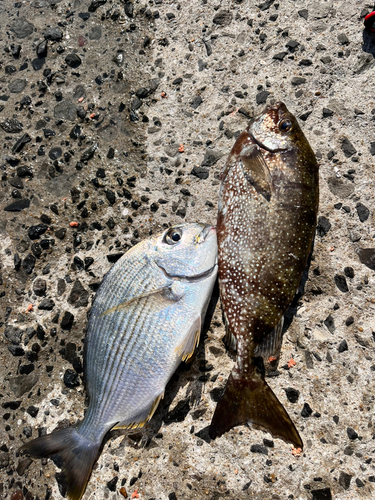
(146,318)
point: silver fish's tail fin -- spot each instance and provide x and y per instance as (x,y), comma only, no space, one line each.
(248,398)
(76,454)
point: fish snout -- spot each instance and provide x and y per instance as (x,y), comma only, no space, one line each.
(207,230)
(277,106)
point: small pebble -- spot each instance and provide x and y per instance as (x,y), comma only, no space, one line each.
(306,410)
(343,346)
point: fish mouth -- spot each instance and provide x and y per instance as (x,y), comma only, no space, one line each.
(263,146)
(202,236)
(190,279)
(277,107)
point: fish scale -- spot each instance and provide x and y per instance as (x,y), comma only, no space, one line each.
(267,213)
(108,325)
(146,318)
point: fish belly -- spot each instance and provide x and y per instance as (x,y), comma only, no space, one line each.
(263,248)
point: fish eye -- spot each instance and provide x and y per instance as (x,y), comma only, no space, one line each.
(173,236)
(285,125)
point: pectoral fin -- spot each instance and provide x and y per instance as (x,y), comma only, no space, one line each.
(256,170)
(142,418)
(162,297)
(190,341)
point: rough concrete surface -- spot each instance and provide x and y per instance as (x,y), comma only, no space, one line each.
(95,100)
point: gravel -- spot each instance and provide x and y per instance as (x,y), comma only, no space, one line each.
(96,100)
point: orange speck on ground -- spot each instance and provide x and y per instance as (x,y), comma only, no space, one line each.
(271,358)
(331,249)
(236,471)
(135,494)
(30,307)
(291,363)
(73,224)
(92,115)
(163,94)
(124,492)
(181,148)
(296,452)
(80,99)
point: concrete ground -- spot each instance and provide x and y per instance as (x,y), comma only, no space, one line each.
(95,100)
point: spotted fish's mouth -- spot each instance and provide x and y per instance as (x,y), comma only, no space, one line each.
(263,146)
(190,279)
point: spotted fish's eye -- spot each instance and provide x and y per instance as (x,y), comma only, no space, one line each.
(285,125)
(173,236)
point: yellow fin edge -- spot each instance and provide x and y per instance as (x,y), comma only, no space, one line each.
(187,355)
(138,425)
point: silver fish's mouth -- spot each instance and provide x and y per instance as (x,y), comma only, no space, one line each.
(201,237)
(190,279)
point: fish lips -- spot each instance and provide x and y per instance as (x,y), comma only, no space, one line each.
(206,231)
(263,146)
(192,278)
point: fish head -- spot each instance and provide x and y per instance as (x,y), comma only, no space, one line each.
(187,251)
(276,129)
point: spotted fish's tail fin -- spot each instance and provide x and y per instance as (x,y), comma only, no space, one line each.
(76,456)
(248,398)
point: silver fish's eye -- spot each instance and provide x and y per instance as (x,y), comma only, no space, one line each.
(285,125)
(173,236)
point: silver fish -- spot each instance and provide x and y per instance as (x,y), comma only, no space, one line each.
(146,318)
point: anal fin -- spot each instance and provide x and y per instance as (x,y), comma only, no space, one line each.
(149,412)
(229,339)
(271,345)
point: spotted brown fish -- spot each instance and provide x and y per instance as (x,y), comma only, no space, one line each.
(267,216)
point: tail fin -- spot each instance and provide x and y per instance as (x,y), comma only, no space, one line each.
(252,400)
(76,454)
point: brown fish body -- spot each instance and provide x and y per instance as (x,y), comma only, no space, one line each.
(267,215)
